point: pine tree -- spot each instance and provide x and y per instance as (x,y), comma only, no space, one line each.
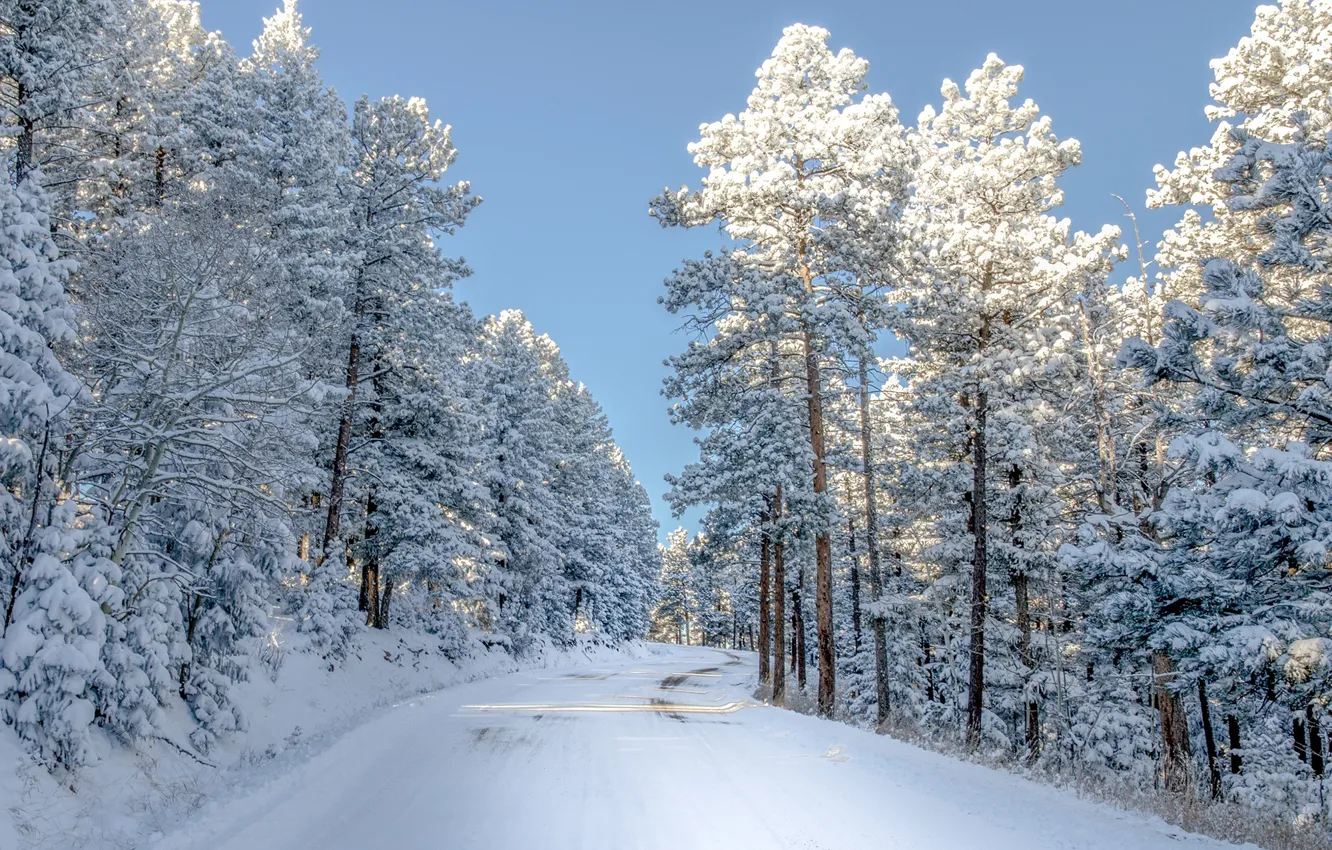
(995,279)
(795,179)
(397,209)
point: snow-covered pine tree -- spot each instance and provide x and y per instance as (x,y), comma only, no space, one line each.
(1270,82)
(397,209)
(990,306)
(55,56)
(53,576)
(675,617)
(801,179)
(523,583)
(1238,596)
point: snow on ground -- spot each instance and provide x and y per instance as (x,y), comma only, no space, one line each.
(652,753)
(297,707)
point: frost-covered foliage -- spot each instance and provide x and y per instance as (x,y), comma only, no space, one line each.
(1083,525)
(254,394)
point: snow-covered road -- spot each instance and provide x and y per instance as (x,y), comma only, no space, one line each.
(669,752)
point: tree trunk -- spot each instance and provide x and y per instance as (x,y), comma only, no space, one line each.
(872,543)
(1315,740)
(979,566)
(795,630)
(370,572)
(801,655)
(25,155)
(382,621)
(1236,757)
(927,661)
(370,580)
(855,581)
(765,556)
(1032,710)
(159,175)
(778,665)
(1022,598)
(1300,742)
(822,544)
(1175,751)
(338,478)
(1209,739)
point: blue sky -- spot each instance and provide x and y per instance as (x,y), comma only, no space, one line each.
(568,117)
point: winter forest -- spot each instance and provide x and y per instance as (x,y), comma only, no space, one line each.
(1055,502)
(1081,524)
(236,392)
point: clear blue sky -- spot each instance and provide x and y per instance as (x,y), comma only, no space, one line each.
(569,116)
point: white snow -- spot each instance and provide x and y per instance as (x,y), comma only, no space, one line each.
(662,752)
(127,797)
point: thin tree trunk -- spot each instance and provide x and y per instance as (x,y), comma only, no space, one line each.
(1175,750)
(822,544)
(795,630)
(979,567)
(382,621)
(801,655)
(1236,757)
(1022,598)
(1315,740)
(370,580)
(338,477)
(1209,738)
(778,666)
(1021,592)
(872,543)
(765,555)
(855,578)
(370,572)
(25,156)
(980,519)
(159,175)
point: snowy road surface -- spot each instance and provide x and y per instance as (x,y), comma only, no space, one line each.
(665,753)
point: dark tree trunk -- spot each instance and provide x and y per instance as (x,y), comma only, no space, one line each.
(369,599)
(25,156)
(159,175)
(382,621)
(1236,757)
(872,542)
(1022,599)
(778,665)
(765,557)
(338,479)
(1175,750)
(798,625)
(927,661)
(1209,739)
(1315,740)
(1032,710)
(855,584)
(822,544)
(1300,742)
(370,580)
(979,567)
